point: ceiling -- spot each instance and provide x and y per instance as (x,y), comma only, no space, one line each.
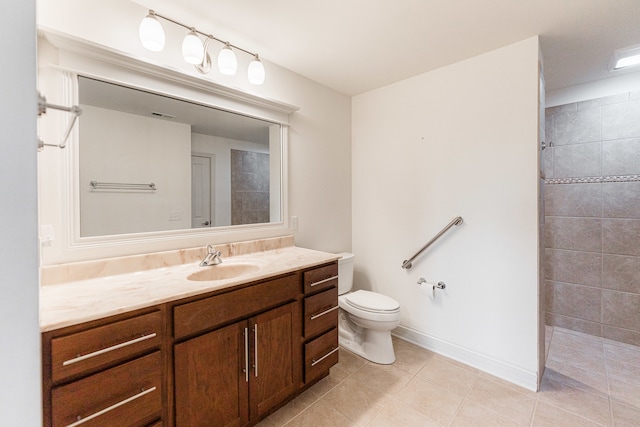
(354,46)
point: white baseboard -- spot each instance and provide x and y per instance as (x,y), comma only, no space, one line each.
(513,374)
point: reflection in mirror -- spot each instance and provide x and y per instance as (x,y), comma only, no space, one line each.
(148,162)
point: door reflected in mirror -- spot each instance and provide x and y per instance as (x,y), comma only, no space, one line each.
(149,162)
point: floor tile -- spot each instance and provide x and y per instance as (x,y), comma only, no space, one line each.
(448,375)
(503,400)
(410,357)
(320,414)
(396,413)
(472,414)
(548,415)
(431,399)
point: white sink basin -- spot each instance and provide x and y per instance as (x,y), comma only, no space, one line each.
(222,272)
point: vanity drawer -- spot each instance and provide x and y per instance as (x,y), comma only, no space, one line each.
(320,355)
(129,394)
(103,346)
(208,313)
(320,278)
(320,312)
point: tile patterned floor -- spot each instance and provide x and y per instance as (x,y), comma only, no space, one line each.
(588,382)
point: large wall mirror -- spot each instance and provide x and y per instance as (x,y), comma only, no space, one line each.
(159,159)
(148,162)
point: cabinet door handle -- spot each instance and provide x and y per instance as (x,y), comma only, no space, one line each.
(255,349)
(108,349)
(320,282)
(314,362)
(315,316)
(111,408)
(246,354)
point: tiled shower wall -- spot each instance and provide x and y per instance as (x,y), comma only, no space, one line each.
(592,217)
(249,187)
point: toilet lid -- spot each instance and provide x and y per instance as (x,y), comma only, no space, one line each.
(372,301)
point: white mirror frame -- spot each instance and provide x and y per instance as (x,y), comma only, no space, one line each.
(79,57)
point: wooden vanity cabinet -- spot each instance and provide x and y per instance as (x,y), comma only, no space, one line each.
(320,287)
(105,372)
(234,374)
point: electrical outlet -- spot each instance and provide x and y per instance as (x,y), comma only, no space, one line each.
(294,222)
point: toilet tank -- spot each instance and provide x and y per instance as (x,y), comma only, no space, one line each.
(345,272)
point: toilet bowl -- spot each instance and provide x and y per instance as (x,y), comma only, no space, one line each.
(366,318)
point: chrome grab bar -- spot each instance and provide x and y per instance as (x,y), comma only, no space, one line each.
(455,221)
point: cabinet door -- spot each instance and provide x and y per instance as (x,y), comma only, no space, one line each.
(275,357)
(211,387)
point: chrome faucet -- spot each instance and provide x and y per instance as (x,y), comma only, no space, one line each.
(213,257)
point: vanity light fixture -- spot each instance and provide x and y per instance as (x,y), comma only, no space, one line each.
(151,33)
(227,61)
(625,57)
(194,50)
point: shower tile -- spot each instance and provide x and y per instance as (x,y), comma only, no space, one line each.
(620,309)
(577,127)
(621,236)
(582,234)
(580,341)
(592,362)
(629,354)
(583,268)
(548,129)
(606,100)
(576,200)
(621,120)
(621,273)
(590,406)
(564,108)
(625,392)
(625,415)
(582,302)
(574,324)
(623,371)
(624,336)
(621,157)
(577,160)
(621,200)
(582,379)
(547,163)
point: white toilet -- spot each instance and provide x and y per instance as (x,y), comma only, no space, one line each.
(366,318)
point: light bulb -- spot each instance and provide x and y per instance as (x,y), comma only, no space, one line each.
(227,62)
(256,73)
(151,33)
(192,49)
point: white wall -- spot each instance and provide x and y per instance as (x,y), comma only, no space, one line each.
(20,394)
(627,82)
(120,147)
(461,140)
(319,152)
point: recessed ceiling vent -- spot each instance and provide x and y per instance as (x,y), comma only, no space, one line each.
(163,115)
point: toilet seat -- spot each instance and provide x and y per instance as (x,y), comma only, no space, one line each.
(372,302)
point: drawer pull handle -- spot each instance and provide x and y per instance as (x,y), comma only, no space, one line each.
(111,408)
(314,362)
(315,316)
(323,281)
(255,349)
(108,349)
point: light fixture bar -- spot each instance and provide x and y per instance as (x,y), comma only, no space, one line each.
(189,28)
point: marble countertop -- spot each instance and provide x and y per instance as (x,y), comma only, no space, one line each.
(79,301)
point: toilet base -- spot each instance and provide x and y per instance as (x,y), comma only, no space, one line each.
(375,346)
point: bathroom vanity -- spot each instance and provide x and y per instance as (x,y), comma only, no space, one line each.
(157,348)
